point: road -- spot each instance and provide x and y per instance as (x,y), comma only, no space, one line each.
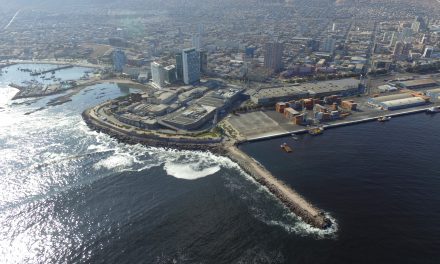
(12,20)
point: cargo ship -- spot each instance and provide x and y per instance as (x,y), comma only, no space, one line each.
(314,131)
(286,148)
(433,110)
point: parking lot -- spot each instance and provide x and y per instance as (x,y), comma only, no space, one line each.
(255,124)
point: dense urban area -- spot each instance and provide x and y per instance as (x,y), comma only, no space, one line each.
(199,62)
(227,72)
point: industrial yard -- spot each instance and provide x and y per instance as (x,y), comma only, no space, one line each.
(294,115)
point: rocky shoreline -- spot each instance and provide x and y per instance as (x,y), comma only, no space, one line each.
(153,142)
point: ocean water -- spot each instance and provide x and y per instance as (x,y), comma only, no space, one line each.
(72,195)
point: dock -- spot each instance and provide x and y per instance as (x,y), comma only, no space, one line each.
(335,125)
(51,70)
(291,199)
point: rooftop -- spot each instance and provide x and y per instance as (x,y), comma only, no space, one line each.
(418,82)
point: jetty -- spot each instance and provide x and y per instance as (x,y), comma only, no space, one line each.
(36,73)
(291,199)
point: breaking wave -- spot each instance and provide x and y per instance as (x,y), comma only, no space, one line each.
(189,171)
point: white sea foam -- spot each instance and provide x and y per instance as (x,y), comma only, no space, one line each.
(255,194)
(189,171)
(115,162)
(6,93)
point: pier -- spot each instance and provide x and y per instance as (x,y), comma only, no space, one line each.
(291,199)
(51,70)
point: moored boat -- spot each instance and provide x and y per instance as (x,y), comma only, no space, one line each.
(314,131)
(384,118)
(286,148)
(433,110)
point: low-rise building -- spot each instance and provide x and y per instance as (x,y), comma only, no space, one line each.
(270,96)
(190,118)
(403,103)
(137,121)
(418,84)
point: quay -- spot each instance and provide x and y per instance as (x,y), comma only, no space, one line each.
(52,70)
(334,125)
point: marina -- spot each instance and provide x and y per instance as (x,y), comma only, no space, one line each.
(36,80)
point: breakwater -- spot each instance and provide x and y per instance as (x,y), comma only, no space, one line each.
(52,70)
(291,199)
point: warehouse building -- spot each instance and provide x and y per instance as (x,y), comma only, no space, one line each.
(418,84)
(190,118)
(376,101)
(343,87)
(403,103)
(270,96)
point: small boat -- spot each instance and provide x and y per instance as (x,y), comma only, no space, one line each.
(286,148)
(433,110)
(384,118)
(314,131)
(294,137)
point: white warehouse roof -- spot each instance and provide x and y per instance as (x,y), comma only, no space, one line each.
(403,102)
(391,97)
